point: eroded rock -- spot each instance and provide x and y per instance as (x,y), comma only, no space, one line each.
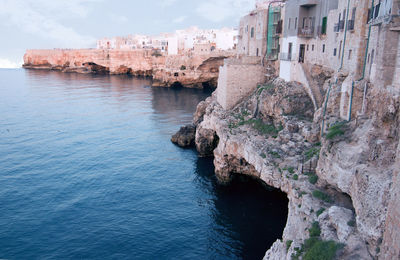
(185,136)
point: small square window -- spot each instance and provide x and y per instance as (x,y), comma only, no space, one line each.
(334,52)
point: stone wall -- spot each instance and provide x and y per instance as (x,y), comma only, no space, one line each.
(237,79)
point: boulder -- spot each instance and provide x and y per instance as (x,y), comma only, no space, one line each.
(185,136)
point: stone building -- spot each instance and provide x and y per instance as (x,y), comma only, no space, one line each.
(304,38)
(383,54)
(253,33)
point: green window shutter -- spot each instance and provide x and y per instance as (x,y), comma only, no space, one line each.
(324,24)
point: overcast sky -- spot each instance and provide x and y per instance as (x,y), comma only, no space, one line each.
(41,24)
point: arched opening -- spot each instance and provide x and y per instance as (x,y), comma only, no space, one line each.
(248,215)
(208,86)
(176,84)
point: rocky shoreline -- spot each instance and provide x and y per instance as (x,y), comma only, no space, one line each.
(339,185)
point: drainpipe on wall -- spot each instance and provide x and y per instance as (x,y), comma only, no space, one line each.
(367,47)
(351,100)
(364,66)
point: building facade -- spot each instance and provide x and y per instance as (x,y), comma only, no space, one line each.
(305,30)
(253,33)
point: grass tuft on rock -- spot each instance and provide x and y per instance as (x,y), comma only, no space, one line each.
(315,230)
(288,244)
(313,178)
(316,249)
(351,223)
(336,130)
(322,196)
(320,211)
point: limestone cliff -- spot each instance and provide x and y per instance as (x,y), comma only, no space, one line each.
(187,70)
(342,187)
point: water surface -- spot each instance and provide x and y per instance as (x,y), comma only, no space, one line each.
(87,171)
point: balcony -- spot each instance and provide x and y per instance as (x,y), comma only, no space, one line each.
(307,32)
(350,25)
(286,56)
(308,3)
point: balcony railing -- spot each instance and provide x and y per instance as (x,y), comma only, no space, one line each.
(350,25)
(306,32)
(286,56)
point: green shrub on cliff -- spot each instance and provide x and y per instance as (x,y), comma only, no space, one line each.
(288,244)
(320,211)
(314,248)
(312,178)
(336,130)
(322,196)
(315,230)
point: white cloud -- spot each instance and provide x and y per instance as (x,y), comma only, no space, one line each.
(220,10)
(42,18)
(179,19)
(7,64)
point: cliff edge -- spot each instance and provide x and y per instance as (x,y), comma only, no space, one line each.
(343,186)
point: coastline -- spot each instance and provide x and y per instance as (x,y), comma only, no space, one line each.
(196,71)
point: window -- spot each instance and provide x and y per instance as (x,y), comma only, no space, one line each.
(247,28)
(307,47)
(252,32)
(340,49)
(323,48)
(312,47)
(349,54)
(257,52)
(304,22)
(289,23)
(324,24)
(295,23)
(353,15)
(334,52)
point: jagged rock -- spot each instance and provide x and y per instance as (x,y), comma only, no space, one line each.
(206,141)
(200,111)
(244,148)
(185,136)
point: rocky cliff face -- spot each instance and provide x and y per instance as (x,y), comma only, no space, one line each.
(342,188)
(188,71)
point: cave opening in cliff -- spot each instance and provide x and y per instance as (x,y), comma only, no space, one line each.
(268,204)
(176,84)
(208,86)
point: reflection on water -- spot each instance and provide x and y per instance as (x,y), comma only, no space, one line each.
(88,171)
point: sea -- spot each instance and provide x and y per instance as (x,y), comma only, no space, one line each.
(88,171)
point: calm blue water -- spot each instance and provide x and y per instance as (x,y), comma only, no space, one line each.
(87,171)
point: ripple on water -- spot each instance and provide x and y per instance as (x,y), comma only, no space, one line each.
(88,171)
